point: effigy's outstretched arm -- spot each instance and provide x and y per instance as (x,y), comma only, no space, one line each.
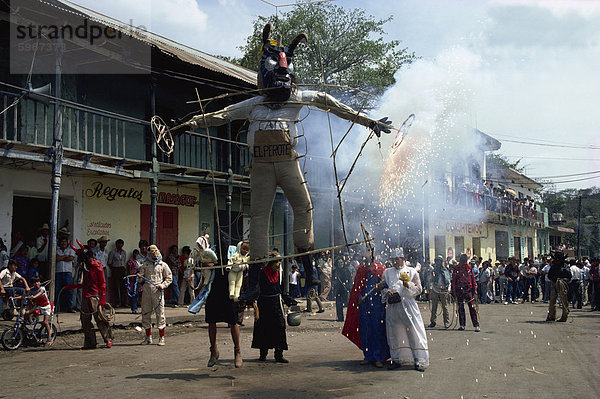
(236,111)
(329,103)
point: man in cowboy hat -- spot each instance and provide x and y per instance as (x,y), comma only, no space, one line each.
(406,334)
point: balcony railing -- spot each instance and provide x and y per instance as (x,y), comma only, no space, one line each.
(91,130)
(508,206)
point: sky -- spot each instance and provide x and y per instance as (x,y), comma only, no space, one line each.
(523,71)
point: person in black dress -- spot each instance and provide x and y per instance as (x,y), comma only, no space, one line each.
(219,308)
(269,328)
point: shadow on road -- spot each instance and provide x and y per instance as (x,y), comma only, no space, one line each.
(178,376)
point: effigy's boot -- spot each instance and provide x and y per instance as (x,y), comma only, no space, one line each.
(311,280)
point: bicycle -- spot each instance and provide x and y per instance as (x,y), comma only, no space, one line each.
(32,331)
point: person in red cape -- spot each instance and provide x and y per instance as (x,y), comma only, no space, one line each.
(365,317)
(94,298)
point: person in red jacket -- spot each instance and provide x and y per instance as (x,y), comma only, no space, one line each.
(463,289)
(93,299)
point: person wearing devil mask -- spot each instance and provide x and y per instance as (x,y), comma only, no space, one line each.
(272,137)
(93,298)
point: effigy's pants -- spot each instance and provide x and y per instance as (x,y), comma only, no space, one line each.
(264,179)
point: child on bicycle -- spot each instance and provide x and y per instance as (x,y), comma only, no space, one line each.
(38,295)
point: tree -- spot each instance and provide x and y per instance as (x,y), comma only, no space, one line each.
(500,160)
(345,48)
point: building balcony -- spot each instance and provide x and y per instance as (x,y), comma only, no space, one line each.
(111,139)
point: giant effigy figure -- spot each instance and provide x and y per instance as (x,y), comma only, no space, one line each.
(272,118)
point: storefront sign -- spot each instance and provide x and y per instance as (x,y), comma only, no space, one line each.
(99,190)
(516,233)
(177,199)
(464,228)
(98,228)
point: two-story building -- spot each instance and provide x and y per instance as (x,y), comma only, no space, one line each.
(77,148)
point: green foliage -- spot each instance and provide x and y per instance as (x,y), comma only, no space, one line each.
(500,160)
(345,48)
(567,202)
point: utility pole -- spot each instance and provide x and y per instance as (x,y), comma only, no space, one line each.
(578,228)
(155,167)
(56,169)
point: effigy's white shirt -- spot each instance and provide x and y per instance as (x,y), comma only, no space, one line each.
(264,117)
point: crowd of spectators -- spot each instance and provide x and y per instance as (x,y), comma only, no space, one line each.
(493,198)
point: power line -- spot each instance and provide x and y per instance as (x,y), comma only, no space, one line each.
(552,158)
(541,141)
(583,147)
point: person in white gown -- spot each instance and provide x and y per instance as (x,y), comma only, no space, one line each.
(405,329)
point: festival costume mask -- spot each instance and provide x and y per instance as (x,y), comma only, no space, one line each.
(154,252)
(84,255)
(276,70)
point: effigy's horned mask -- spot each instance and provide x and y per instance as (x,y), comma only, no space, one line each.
(276,69)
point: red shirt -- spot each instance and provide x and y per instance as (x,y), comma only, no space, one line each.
(42,300)
(93,281)
(463,277)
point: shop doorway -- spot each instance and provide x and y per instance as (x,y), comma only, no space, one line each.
(440,246)
(517,245)
(29,214)
(167,226)
(459,245)
(477,246)
(501,245)
(530,247)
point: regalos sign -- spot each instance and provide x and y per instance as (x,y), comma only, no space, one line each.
(464,228)
(99,190)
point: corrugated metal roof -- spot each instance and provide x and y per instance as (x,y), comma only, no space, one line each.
(168,46)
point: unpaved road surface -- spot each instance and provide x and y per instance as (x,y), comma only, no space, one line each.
(517,355)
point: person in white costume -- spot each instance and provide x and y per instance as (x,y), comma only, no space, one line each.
(404,326)
(153,300)
(236,267)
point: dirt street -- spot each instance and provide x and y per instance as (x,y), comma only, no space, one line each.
(517,355)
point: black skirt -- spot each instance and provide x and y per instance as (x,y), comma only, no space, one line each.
(218,307)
